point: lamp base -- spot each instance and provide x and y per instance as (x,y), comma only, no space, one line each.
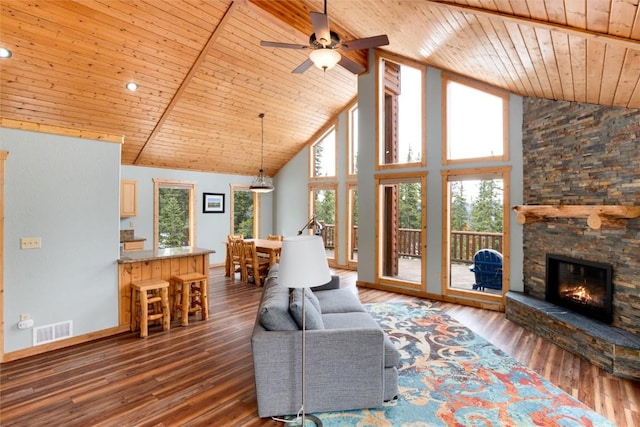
(307,418)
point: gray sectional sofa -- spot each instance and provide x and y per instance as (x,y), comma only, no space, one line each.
(350,362)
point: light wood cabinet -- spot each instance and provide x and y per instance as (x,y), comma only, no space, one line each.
(134,245)
(128,198)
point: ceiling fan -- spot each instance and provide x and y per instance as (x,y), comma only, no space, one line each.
(326,44)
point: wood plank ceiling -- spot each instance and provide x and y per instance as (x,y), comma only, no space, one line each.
(204,78)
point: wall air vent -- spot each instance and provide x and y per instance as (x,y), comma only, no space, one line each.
(53,332)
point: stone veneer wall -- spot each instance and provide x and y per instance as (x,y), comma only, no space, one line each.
(583,154)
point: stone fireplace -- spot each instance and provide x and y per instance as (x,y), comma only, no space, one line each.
(582,154)
(579,285)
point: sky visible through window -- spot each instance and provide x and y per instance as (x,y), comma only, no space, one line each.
(474,123)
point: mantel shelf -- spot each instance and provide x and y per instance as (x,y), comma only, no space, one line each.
(612,216)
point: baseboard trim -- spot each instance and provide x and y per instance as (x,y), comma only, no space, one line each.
(32,351)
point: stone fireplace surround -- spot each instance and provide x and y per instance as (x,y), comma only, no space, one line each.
(582,154)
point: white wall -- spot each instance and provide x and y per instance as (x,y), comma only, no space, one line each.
(212,228)
(65,191)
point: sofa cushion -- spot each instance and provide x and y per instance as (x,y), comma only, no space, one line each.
(334,283)
(274,312)
(362,320)
(313,299)
(339,301)
(313,319)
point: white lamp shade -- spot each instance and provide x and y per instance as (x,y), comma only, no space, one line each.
(325,58)
(303,262)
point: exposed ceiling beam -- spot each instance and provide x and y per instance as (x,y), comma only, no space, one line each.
(564,29)
(194,69)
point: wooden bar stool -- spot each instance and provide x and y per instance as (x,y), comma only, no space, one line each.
(190,296)
(145,294)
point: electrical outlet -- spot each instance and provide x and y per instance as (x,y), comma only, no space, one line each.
(24,316)
(131,224)
(30,243)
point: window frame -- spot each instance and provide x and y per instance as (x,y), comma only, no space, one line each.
(503,172)
(388,179)
(380,57)
(352,149)
(191,186)
(332,127)
(313,187)
(445,79)
(256,208)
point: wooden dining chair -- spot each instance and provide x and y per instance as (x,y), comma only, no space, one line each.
(236,259)
(254,266)
(277,237)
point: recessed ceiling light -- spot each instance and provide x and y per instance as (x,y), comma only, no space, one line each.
(5,53)
(132,86)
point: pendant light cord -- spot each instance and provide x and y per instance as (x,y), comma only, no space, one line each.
(261,115)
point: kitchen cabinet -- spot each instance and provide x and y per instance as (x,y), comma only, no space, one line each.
(133,245)
(128,198)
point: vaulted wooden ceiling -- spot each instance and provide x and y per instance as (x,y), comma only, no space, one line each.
(204,77)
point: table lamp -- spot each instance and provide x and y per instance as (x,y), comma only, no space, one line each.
(303,264)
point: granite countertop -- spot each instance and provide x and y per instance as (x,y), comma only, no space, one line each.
(150,255)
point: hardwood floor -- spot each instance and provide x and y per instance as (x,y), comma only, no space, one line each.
(202,375)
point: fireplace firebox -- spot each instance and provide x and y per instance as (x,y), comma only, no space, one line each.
(582,286)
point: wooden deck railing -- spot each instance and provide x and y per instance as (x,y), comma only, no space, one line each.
(464,244)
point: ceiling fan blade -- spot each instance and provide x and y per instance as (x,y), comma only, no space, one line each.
(365,43)
(354,67)
(320,23)
(303,67)
(284,45)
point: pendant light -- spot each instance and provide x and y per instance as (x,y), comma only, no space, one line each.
(262,183)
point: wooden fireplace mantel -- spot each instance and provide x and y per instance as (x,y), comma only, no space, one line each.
(613,216)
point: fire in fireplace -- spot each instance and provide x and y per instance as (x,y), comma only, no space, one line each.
(582,286)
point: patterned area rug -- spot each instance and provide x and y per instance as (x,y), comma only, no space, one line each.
(452,377)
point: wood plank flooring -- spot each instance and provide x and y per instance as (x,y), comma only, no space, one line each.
(202,375)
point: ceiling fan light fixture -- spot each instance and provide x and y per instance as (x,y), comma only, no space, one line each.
(262,183)
(325,58)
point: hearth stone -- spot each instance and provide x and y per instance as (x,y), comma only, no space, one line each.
(613,349)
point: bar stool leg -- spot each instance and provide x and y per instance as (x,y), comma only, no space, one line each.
(166,318)
(144,314)
(186,299)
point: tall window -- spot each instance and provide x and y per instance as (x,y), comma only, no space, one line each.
(402,222)
(323,156)
(402,122)
(324,208)
(174,214)
(352,237)
(244,212)
(477,209)
(476,123)
(353,140)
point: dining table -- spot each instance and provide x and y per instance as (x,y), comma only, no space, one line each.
(271,248)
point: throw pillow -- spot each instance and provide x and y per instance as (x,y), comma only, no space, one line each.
(313,298)
(274,310)
(313,319)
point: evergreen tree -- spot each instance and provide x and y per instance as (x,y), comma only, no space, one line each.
(173,223)
(410,215)
(243,213)
(486,214)
(459,212)
(325,206)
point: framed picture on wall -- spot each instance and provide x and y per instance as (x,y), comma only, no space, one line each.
(212,203)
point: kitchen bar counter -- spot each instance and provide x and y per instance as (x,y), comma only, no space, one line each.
(150,255)
(156,264)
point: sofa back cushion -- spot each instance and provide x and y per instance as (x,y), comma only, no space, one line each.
(274,309)
(313,318)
